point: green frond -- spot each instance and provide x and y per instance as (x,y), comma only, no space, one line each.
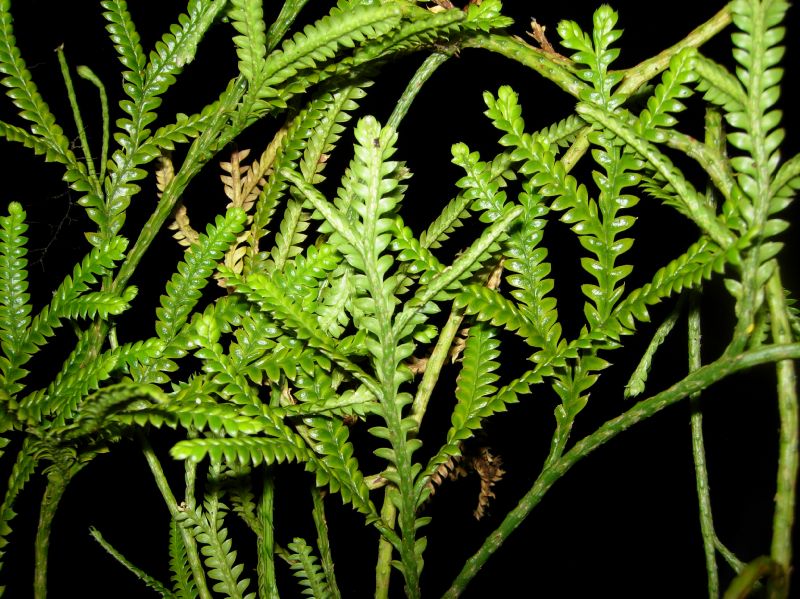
(277,30)
(307,570)
(758,52)
(475,382)
(668,94)
(144,84)
(207,524)
(473,258)
(334,300)
(247,17)
(341,103)
(290,236)
(698,263)
(15,305)
(184,288)
(184,129)
(25,95)
(527,269)
(183,585)
(100,304)
(128,565)
(694,203)
(479,185)
(21,136)
(291,148)
(423,29)
(562,133)
(299,62)
(718,85)
(97,408)
(241,450)
(332,443)
(488,305)
(80,375)
(595,53)
(21,472)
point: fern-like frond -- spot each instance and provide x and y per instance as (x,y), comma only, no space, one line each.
(25,95)
(183,585)
(15,306)
(698,263)
(475,382)
(184,288)
(128,565)
(242,450)
(307,570)
(144,84)
(317,44)
(595,53)
(247,18)
(489,305)
(207,524)
(668,94)
(21,472)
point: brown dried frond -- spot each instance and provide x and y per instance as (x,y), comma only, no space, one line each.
(417,365)
(489,469)
(164,173)
(184,232)
(233,180)
(537,33)
(495,276)
(459,343)
(450,470)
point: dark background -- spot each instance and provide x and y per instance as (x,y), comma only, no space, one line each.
(623,523)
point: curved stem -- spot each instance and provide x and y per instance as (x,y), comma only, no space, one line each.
(383,570)
(693,383)
(56,485)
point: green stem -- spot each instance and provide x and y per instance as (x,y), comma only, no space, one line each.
(57,482)
(699,457)
(76,115)
(323,541)
(693,383)
(265,544)
(86,73)
(783,519)
(643,72)
(383,570)
(424,72)
(174,510)
(546,64)
(436,361)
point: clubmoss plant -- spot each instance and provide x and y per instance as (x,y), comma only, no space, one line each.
(306,311)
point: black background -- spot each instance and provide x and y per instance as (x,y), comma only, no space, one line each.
(623,523)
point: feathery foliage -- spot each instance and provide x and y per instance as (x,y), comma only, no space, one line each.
(336,321)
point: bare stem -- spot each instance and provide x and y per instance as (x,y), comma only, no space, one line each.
(693,383)
(783,519)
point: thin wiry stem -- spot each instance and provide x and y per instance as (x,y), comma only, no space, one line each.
(785,496)
(88,74)
(699,457)
(76,115)
(323,542)
(267,583)
(424,72)
(693,383)
(174,510)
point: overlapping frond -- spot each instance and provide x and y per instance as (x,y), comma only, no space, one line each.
(307,570)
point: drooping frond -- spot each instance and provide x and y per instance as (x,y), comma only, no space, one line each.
(311,48)
(307,570)
(207,526)
(128,565)
(15,306)
(21,472)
